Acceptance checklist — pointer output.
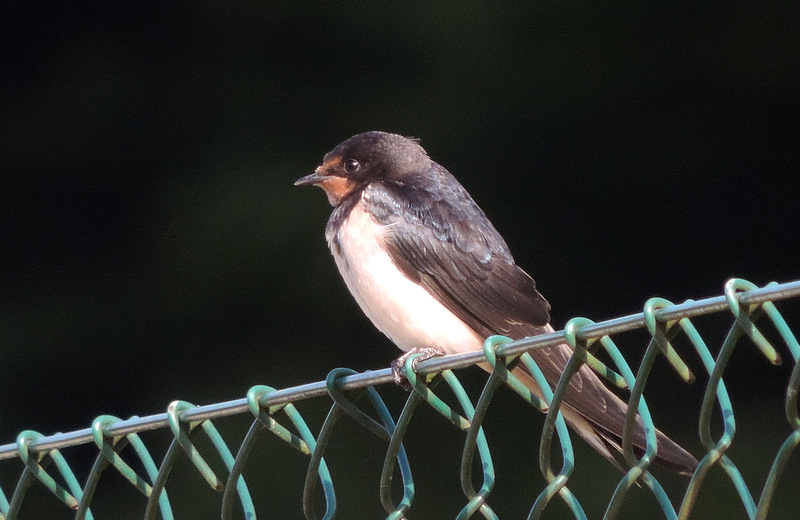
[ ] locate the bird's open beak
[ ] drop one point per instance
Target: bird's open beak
(314, 178)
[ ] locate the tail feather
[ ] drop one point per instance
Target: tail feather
(598, 415)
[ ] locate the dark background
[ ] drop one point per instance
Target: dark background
(154, 248)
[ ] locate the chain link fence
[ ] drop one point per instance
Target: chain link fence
(170, 458)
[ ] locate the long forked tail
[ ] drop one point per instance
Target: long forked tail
(598, 415)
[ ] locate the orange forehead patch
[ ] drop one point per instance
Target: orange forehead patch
(330, 164)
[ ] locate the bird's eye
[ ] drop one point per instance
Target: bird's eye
(351, 165)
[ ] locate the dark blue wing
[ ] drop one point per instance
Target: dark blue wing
(447, 244)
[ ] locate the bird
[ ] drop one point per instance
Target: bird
(432, 273)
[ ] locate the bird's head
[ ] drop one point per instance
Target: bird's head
(365, 158)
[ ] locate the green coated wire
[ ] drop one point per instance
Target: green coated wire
(732, 287)
(38, 471)
(476, 439)
(238, 466)
(554, 406)
(264, 421)
(349, 407)
(792, 441)
(662, 332)
(4, 505)
(556, 482)
(179, 430)
(778, 465)
(788, 446)
(108, 451)
(385, 431)
(255, 400)
(23, 483)
(792, 391)
(173, 452)
(401, 457)
(394, 454)
(637, 407)
(152, 472)
(430, 397)
(101, 462)
(314, 465)
(477, 500)
(227, 458)
(722, 399)
(783, 328)
(638, 470)
(183, 440)
(340, 406)
(748, 304)
(423, 391)
(748, 325)
(492, 348)
(716, 451)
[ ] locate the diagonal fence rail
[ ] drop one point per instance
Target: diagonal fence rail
(434, 383)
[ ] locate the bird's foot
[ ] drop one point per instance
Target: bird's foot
(397, 365)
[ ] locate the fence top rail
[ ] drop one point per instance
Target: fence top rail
(691, 308)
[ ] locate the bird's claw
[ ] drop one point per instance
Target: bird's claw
(398, 364)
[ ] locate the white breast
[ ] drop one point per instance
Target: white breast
(407, 313)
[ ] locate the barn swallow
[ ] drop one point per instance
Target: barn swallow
(431, 272)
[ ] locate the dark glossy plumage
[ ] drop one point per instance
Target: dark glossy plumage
(438, 237)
